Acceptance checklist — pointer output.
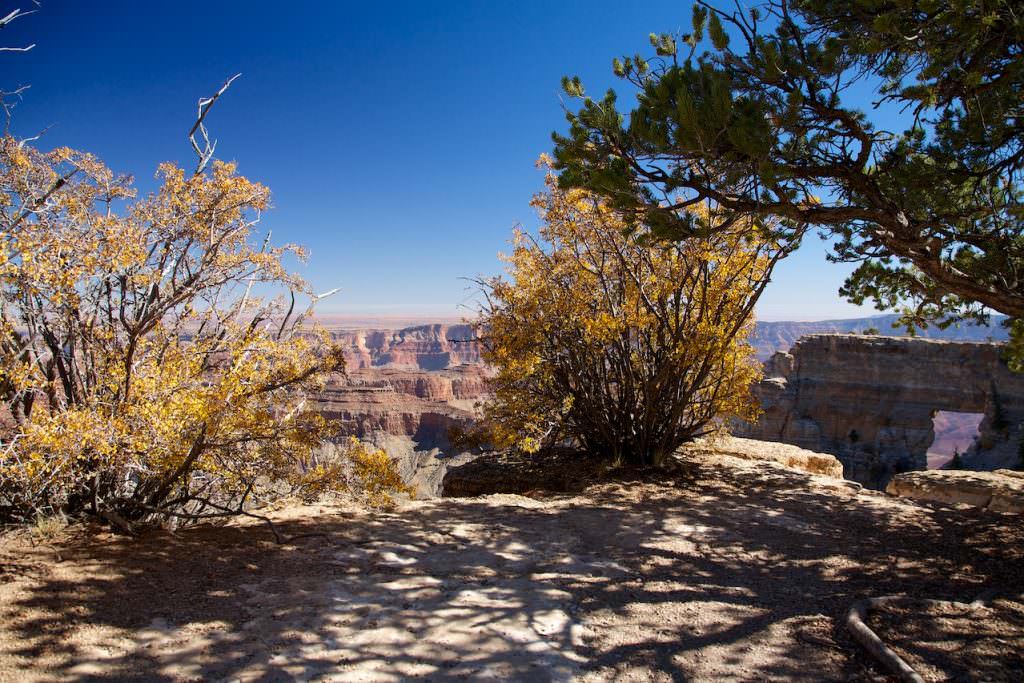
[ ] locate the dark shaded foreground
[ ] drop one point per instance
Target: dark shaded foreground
(726, 571)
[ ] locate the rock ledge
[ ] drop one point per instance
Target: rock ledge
(787, 455)
(999, 491)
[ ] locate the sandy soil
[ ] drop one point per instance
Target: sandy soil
(725, 571)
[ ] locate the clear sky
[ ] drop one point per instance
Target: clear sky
(398, 138)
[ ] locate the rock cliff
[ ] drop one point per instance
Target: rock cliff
(403, 391)
(460, 383)
(772, 336)
(870, 401)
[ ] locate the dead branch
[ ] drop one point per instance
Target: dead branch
(857, 617)
(205, 152)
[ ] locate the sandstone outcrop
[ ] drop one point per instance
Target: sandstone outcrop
(787, 455)
(406, 410)
(360, 410)
(460, 383)
(999, 491)
(870, 400)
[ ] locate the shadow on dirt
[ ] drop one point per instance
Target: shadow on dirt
(712, 573)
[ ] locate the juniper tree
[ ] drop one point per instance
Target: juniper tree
(918, 182)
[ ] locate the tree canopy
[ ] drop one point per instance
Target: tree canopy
(755, 110)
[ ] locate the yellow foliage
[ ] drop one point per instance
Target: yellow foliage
(364, 470)
(625, 345)
(141, 364)
(376, 473)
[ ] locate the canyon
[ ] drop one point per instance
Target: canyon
(413, 382)
(404, 390)
(772, 336)
(870, 400)
(878, 403)
(429, 347)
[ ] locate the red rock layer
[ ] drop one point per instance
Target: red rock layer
(427, 347)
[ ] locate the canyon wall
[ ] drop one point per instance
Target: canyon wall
(769, 336)
(416, 404)
(403, 391)
(870, 400)
(424, 347)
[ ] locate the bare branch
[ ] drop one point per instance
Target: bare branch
(11, 16)
(205, 152)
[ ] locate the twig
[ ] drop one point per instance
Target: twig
(11, 16)
(205, 152)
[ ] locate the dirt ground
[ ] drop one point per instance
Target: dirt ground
(947, 642)
(725, 571)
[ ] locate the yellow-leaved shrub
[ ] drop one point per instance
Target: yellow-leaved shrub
(152, 358)
(621, 344)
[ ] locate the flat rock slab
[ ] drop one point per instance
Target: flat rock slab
(787, 455)
(999, 491)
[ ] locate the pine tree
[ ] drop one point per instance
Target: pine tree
(957, 462)
(752, 110)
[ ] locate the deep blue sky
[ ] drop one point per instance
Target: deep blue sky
(398, 138)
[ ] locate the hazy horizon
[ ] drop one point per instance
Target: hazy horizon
(398, 318)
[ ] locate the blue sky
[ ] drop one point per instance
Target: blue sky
(398, 138)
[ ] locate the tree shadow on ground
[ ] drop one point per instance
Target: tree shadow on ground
(707, 573)
(955, 641)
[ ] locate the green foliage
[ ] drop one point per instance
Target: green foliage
(758, 119)
(999, 421)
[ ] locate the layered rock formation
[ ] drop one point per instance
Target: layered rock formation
(870, 401)
(403, 391)
(408, 414)
(439, 345)
(461, 383)
(419, 405)
(425, 347)
(769, 337)
(360, 412)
